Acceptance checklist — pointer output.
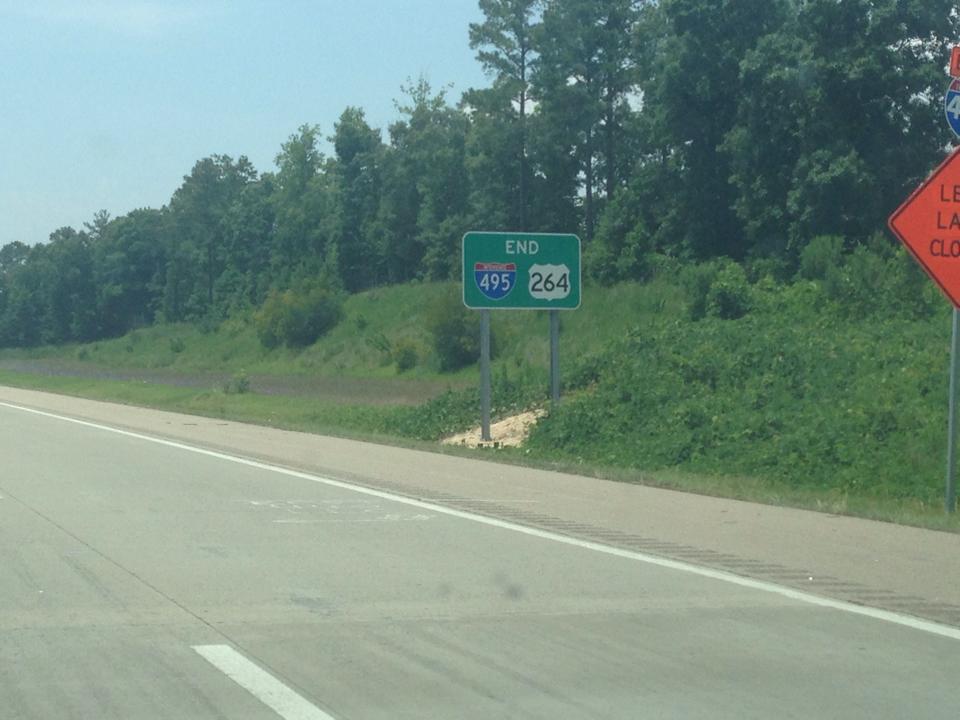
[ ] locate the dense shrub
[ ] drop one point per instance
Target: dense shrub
(729, 296)
(454, 333)
(877, 279)
(696, 281)
(238, 384)
(623, 246)
(297, 318)
(821, 255)
(405, 354)
(718, 288)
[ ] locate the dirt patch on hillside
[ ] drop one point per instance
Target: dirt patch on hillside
(509, 432)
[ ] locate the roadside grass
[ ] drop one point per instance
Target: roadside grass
(292, 413)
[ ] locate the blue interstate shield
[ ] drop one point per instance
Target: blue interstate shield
(495, 280)
(951, 105)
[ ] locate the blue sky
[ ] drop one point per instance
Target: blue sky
(106, 104)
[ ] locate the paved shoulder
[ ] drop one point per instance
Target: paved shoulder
(881, 564)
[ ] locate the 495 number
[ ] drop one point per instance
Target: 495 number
(495, 281)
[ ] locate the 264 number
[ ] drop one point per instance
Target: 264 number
(540, 283)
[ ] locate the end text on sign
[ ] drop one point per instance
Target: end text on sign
(522, 247)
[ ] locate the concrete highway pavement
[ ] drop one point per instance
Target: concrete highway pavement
(144, 579)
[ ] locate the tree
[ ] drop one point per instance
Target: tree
(303, 207)
(61, 294)
(12, 256)
(17, 314)
(693, 89)
(492, 149)
(129, 257)
(249, 226)
(505, 44)
(584, 77)
(357, 173)
(96, 228)
(197, 246)
(838, 118)
(424, 208)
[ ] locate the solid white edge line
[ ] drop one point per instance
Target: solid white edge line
(287, 703)
(790, 593)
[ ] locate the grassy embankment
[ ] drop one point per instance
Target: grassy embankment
(348, 382)
(793, 403)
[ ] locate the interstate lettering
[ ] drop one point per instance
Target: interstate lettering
(945, 248)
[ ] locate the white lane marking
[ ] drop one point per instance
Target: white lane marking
(789, 593)
(262, 685)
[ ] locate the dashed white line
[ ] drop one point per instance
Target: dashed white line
(796, 595)
(262, 685)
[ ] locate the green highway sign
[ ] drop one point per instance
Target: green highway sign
(521, 271)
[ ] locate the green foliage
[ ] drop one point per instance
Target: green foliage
(718, 288)
(879, 280)
(457, 410)
(379, 341)
(801, 161)
(297, 318)
(789, 392)
(696, 281)
(729, 296)
(454, 333)
(821, 256)
(585, 73)
(623, 246)
(238, 384)
(357, 183)
(405, 354)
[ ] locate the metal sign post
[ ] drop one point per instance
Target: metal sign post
(951, 490)
(485, 375)
(554, 356)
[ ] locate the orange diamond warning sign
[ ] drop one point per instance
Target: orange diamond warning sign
(928, 223)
